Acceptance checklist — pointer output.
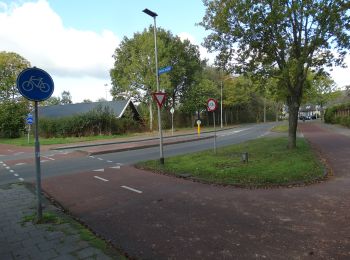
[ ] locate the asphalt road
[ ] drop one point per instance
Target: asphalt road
(19, 165)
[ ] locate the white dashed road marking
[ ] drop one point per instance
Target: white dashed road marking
(131, 189)
(102, 179)
(115, 167)
(18, 164)
(21, 179)
(100, 159)
(99, 170)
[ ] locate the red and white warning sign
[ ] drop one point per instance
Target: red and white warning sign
(160, 97)
(212, 105)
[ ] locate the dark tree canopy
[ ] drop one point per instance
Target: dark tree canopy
(280, 38)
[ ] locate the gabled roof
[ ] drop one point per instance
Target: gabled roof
(118, 107)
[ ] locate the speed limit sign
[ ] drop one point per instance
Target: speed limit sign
(212, 104)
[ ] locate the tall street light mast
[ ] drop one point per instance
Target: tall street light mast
(154, 15)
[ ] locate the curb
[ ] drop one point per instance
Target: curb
(133, 141)
(142, 146)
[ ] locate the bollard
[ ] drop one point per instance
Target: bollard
(245, 157)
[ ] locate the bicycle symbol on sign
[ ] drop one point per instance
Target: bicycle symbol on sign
(35, 82)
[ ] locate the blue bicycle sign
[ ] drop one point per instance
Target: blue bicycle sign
(35, 84)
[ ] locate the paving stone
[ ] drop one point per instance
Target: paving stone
(6, 256)
(87, 252)
(20, 240)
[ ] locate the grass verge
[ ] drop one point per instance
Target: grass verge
(270, 164)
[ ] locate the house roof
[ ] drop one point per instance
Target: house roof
(118, 107)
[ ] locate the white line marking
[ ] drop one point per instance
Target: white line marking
(21, 163)
(42, 161)
(1, 161)
(128, 188)
(4, 164)
(99, 170)
(115, 167)
(92, 156)
(109, 161)
(100, 159)
(21, 179)
(11, 170)
(8, 168)
(49, 158)
(100, 178)
(16, 174)
(120, 164)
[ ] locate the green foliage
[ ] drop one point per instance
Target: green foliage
(96, 122)
(11, 65)
(331, 116)
(13, 108)
(134, 76)
(12, 118)
(283, 39)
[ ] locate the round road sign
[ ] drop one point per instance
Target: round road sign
(212, 104)
(35, 84)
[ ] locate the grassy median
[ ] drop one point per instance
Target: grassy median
(269, 163)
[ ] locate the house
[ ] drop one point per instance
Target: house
(118, 107)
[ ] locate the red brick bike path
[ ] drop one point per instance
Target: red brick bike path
(178, 219)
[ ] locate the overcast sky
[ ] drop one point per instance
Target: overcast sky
(74, 40)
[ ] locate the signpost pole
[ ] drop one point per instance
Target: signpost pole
(37, 164)
(28, 132)
(214, 133)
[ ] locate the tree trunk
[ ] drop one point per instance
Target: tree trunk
(293, 109)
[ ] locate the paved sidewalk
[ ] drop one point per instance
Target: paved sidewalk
(25, 240)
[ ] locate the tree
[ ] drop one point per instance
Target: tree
(321, 90)
(66, 98)
(13, 107)
(51, 101)
(11, 65)
(133, 75)
(285, 39)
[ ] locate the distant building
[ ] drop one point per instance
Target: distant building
(118, 107)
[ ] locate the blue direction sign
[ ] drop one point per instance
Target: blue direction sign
(35, 84)
(29, 119)
(164, 70)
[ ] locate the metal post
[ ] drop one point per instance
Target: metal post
(161, 159)
(37, 164)
(214, 133)
(28, 132)
(172, 123)
(221, 126)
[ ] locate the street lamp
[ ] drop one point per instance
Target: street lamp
(222, 85)
(154, 15)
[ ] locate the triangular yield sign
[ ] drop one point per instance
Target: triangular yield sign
(160, 98)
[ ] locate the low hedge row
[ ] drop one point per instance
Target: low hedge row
(331, 116)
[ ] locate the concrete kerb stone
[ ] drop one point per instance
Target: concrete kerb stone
(132, 140)
(143, 146)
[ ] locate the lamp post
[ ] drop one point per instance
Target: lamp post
(222, 85)
(154, 15)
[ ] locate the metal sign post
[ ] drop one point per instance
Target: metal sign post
(29, 123)
(212, 106)
(36, 85)
(172, 110)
